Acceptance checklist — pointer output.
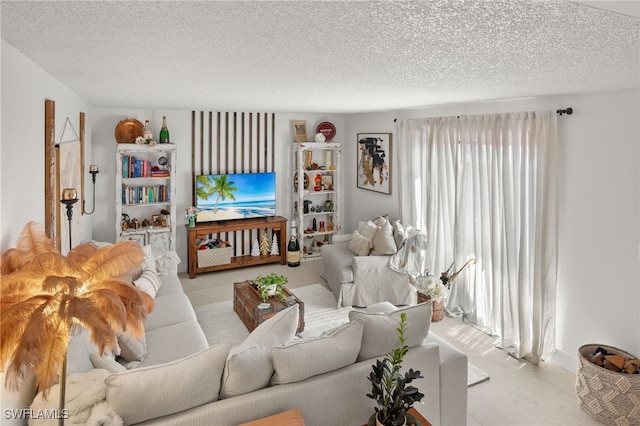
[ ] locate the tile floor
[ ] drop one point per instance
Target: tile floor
(518, 393)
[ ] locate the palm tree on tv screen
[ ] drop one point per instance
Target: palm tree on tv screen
(220, 185)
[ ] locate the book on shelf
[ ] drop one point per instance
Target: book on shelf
(145, 194)
(133, 167)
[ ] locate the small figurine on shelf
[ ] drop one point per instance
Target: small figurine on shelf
(264, 243)
(191, 213)
(275, 250)
(255, 248)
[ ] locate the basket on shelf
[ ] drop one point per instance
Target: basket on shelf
(214, 256)
(610, 397)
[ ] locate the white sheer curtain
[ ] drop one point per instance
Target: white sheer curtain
(485, 187)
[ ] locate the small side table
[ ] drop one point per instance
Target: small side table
(287, 418)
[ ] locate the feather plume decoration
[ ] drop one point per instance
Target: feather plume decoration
(45, 297)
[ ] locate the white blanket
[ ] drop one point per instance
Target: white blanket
(409, 258)
(85, 404)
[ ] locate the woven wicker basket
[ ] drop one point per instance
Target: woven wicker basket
(609, 397)
(213, 257)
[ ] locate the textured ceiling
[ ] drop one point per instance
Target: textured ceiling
(325, 56)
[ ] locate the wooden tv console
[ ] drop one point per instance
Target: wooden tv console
(278, 225)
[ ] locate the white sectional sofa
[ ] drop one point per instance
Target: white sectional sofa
(182, 381)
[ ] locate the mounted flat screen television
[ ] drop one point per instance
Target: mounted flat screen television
(235, 196)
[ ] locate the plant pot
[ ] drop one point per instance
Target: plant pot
(271, 290)
(408, 421)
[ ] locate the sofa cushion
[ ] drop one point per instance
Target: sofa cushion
(170, 309)
(359, 244)
(173, 342)
(380, 335)
(303, 358)
(249, 366)
(146, 393)
(170, 285)
(384, 242)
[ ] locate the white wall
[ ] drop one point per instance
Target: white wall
(25, 86)
(599, 269)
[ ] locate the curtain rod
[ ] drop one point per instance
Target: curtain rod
(567, 111)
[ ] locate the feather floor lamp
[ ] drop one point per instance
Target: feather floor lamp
(46, 297)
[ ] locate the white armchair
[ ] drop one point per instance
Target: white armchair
(363, 280)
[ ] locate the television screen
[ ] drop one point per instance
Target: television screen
(235, 196)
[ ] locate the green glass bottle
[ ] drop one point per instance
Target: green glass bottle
(164, 131)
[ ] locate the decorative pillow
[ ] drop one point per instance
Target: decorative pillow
(401, 232)
(383, 243)
(149, 259)
(380, 335)
(367, 229)
(249, 366)
(149, 282)
(106, 363)
(360, 244)
(159, 390)
(301, 359)
(132, 350)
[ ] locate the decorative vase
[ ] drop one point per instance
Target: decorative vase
(192, 221)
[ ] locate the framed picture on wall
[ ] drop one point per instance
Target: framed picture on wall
(374, 162)
(300, 130)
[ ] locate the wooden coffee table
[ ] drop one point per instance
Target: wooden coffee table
(246, 303)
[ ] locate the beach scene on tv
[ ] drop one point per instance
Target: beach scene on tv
(235, 196)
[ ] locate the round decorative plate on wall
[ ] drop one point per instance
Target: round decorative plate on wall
(327, 129)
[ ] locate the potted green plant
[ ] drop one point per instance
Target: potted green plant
(270, 286)
(390, 388)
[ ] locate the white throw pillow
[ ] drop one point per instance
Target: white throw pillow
(380, 335)
(132, 350)
(359, 244)
(159, 390)
(249, 366)
(367, 229)
(106, 363)
(149, 282)
(301, 359)
(383, 243)
(149, 259)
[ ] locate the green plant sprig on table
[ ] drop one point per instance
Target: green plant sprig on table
(389, 386)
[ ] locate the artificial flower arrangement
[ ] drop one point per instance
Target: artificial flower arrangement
(142, 141)
(437, 289)
(431, 287)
